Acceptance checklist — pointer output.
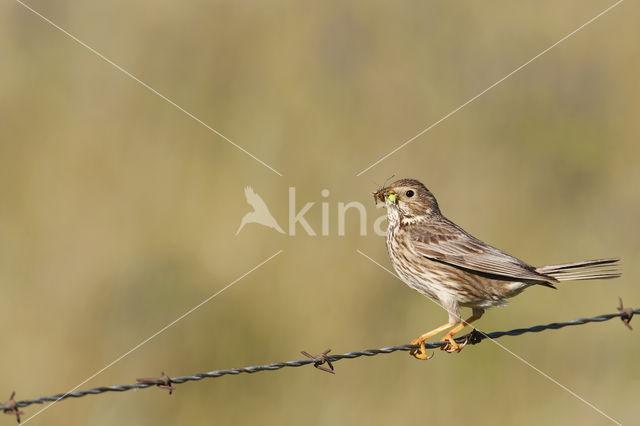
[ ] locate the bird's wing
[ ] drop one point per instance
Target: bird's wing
(254, 199)
(448, 243)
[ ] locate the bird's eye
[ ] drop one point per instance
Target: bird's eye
(410, 193)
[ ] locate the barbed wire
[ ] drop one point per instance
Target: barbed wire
(166, 382)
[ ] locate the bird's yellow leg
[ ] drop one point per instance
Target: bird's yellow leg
(453, 346)
(421, 353)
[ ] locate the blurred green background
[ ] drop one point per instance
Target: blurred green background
(118, 212)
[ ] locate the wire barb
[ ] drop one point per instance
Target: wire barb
(11, 407)
(163, 382)
(473, 338)
(319, 360)
(625, 314)
(166, 382)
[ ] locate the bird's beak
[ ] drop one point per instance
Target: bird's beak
(387, 196)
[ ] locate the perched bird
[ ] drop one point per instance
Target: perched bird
(439, 259)
(260, 213)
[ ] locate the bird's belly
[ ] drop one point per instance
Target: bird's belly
(446, 283)
(427, 282)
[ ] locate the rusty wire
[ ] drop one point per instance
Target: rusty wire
(166, 382)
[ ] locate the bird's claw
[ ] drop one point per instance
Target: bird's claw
(451, 348)
(421, 352)
(451, 345)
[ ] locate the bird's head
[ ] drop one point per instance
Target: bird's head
(408, 198)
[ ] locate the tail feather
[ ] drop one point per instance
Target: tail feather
(586, 270)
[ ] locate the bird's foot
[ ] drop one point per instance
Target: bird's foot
(451, 345)
(421, 352)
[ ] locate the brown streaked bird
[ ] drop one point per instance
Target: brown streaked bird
(439, 259)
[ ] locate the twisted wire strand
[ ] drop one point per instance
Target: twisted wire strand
(477, 338)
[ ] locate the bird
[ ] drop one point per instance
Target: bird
(260, 213)
(439, 259)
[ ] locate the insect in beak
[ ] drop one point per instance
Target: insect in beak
(392, 197)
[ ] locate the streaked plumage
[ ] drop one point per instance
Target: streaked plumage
(439, 259)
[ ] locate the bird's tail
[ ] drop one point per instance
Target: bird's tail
(586, 270)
